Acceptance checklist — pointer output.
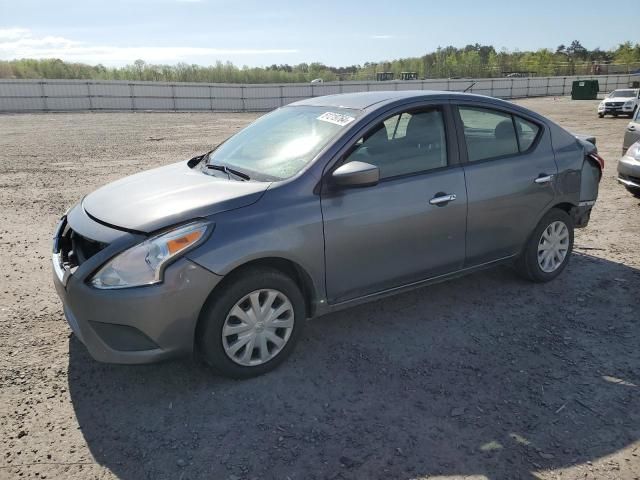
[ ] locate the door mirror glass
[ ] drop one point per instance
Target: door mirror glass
(356, 174)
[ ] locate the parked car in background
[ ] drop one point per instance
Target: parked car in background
(624, 101)
(317, 206)
(629, 169)
(317, 80)
(632, 133)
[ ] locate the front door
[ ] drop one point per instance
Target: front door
(408, 227)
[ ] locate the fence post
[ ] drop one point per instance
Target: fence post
(448, 85)
(492, 88)
(281, 96)
(528, 86)
(547, 92)
(89, 95)
(564, 86)
(45, 104)
(312, 94)
(511, 88)
(173, 97)
(242, 97)
(211, 97)
(133, 100)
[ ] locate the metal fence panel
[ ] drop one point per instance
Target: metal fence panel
(72, 95)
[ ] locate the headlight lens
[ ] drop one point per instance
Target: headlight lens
(629, 103)
(143, 264)
(601, 106)
(634, 151)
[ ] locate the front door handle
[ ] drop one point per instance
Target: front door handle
(442, 199)
(542, 179)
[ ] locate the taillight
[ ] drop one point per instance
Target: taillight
(598, 159)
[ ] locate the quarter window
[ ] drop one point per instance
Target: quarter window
(407, 143)
(527, 133)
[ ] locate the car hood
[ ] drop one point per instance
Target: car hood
(168, 195)
(618, 99)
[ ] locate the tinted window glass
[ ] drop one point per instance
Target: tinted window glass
(527, 133)
(403, 144)
(488, 133)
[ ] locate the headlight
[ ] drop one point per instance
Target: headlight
(601, 106)
(634, 151)
(629, 103)
(143, 264)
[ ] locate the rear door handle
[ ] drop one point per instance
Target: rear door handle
(442, 199)
(542, 179)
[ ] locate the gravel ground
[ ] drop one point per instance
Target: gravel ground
(482, 377)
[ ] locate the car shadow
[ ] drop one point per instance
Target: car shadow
(484, 375)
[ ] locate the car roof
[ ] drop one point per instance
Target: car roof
(367, 100)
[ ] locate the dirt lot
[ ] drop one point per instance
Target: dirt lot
(482, 377)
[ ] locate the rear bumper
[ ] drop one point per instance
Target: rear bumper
(135, 325)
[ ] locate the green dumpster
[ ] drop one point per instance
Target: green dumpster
(585, 90)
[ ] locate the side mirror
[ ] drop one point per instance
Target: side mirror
(356, 174)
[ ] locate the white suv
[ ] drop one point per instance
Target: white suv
(624, 101)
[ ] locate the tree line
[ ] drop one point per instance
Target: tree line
(448, 62)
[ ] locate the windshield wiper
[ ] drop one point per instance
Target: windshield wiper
(228, 171)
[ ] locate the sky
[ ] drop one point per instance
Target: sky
(260, 33)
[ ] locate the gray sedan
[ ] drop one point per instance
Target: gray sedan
(315, 207)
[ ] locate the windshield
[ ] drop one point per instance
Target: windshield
(623, 93)
(280, 144)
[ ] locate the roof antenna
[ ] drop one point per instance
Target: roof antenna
(469, 87)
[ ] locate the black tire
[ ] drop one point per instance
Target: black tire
(527, 264)
(601, 115)
(209, 334)
(634, 191)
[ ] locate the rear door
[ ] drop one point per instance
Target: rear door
(510, 173)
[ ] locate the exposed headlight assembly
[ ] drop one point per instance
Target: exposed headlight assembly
(144, 263)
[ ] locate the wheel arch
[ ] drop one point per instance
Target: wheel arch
(284, 265)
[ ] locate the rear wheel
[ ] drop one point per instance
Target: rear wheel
(634, 191)
(548, 250)
(252, 324)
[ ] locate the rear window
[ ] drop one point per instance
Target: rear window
(488, 133)
(492, 134)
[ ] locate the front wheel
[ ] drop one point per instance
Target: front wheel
(252, 324)
(548, 249)
(601, 115)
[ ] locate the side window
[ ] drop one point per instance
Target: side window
(397, 125)
(403, 144)
(488, 133)
(527, 133)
